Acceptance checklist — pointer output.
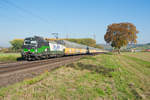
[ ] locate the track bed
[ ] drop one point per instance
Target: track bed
(14, 72)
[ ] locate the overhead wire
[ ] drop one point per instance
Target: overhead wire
(26, 11)
(4, 14)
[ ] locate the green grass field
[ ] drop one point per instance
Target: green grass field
(9, 57)
(102, 77)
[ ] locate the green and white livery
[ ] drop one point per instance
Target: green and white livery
(38, 48)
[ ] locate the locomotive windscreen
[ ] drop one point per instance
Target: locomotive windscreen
(30, 41)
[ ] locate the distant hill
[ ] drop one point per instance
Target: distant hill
(143, 46)
(148, 43)
(0, 48)
(106, 46)
(130, 46)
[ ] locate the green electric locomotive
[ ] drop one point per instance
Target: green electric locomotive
(38, 48)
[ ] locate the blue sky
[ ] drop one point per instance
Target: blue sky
(77, 18)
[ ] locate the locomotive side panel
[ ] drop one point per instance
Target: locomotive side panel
(56, 49)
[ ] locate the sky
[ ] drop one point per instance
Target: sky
(71, 18)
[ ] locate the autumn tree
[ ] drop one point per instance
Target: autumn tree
(121, 34)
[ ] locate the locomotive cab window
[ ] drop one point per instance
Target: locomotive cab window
(30, 42)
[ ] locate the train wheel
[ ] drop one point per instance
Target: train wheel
(29, 59)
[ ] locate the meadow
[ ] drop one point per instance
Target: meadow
(9, 57)
(102, 77)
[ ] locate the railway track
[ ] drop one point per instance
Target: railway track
(27, 65)
(16, 72)
(11, 63)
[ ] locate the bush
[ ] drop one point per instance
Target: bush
(16, 44)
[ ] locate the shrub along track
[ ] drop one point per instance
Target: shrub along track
(15, 72)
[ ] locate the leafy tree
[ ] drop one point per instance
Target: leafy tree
(121, 34)
(16, 44)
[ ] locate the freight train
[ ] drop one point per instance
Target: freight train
(35, 48)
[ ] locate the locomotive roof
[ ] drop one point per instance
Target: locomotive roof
(37, 38)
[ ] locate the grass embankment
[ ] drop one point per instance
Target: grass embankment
(102, 77)
(9, 57)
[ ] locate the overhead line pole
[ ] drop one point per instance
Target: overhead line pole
(67, 36)
(94, 36)
(56, 36)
